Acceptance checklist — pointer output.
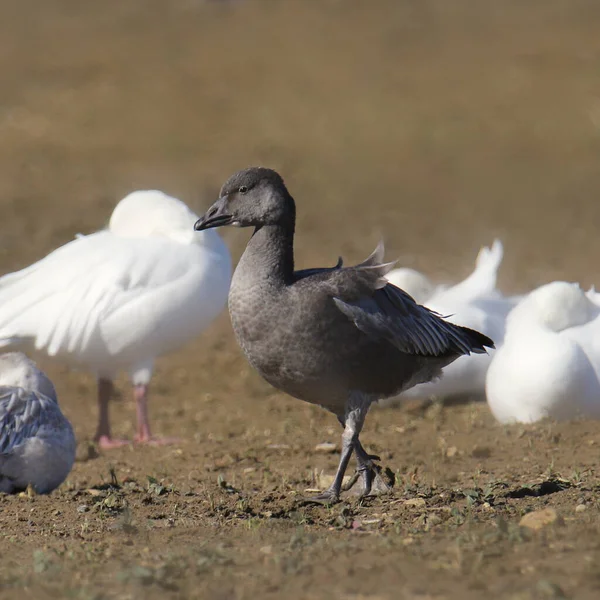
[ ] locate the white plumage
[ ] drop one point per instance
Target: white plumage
(118, 298)
(474, 302)
(543, 369)
(587, 334)
(37, 445)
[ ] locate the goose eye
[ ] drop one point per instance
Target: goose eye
(243, 189)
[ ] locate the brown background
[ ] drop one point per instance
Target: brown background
(436, 125)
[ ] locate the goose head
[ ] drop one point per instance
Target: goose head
(255, 197)
(555, 306)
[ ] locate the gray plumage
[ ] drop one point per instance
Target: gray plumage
(37, 444)
(341, 337)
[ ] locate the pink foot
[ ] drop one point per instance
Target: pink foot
(108, 443)
(156, 441)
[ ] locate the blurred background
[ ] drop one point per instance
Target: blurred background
(434, 125)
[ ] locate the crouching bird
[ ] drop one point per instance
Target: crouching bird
(37, 444)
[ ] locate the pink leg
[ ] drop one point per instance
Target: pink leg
(144, 436)
(103, 436)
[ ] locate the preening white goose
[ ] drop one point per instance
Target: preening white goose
(480, 284)
(120, 297)
(37, 445)
(542, 370)
(474, 302)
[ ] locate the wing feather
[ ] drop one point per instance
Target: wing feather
(383, 311)
(19, 416)
(62, 301)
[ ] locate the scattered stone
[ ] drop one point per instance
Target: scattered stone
(415, 503)
(266, 550)
(326, 448)
(83, 508)
(405, 428)
(580, 508)
(452, 452)
(324, 481)
(538, 519)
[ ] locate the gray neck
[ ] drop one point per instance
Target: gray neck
(269, 255)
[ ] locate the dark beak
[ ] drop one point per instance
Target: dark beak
(215, 216)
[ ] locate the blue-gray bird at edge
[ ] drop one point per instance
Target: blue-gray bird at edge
(37, 444)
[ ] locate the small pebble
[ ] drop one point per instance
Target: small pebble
(326, 448)
(415, 502)
(452, 451)
(539, 519)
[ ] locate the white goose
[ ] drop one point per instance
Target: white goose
(587, 335)
(542, 369)
(474, 302)
(37, 445)
(480, 284)
(121, 297)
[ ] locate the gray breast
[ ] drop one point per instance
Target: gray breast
(300, 342)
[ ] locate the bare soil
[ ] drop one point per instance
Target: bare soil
(435, 125)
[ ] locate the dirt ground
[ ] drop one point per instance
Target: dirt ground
(436, 125)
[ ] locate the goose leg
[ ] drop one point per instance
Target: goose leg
(140, 396)
(332, 494)
(103, 436)
(370, 472)
(144, 435)
(353, 420)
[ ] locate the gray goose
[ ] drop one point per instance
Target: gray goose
(340, 337)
